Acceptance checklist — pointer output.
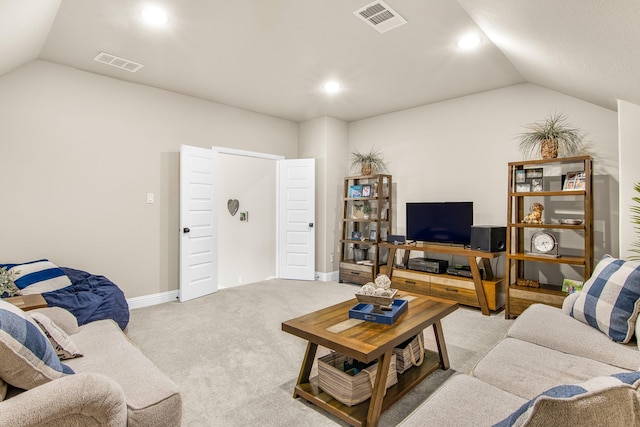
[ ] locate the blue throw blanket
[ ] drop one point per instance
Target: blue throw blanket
(90, 298)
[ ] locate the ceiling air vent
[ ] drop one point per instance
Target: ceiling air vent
(116, 61)
(380, 16)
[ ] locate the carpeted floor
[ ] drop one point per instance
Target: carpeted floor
(235, 366)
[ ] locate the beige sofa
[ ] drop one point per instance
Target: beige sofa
(114, 384)
(544, 348)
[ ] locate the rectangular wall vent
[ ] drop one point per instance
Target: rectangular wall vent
(380, 16)
(116, 61)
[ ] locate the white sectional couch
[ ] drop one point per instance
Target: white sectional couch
(545, 348)
(114, 384)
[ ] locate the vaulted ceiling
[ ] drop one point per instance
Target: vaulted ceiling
(273, 56)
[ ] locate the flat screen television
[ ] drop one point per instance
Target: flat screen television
(440, 222)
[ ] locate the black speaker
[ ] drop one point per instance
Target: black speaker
(488, 238)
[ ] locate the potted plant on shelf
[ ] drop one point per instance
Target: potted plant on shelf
(551, 137)
(366, 209)
(368, 163)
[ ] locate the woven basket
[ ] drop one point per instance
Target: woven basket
(350, 389)
(410, 353)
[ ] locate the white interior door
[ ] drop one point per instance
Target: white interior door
(198, 223)
(296, 223)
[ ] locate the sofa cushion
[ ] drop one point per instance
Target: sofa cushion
(608, 400)
(39, 276)
(527, 369)
(152, 398)
(28, 358)
(610, 299)
(63, 345)
(550, 327)
(464, 401)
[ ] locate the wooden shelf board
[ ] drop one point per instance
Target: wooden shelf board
(364, 199)
(558, 226)
(547, 193)
(363, 220)
(360, 242)
(575, 159)
(550, 259)
(543, 289)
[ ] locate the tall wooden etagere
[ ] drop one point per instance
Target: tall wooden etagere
(366, 219)
(532, 246)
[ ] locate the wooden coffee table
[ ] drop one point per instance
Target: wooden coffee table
(367, 342)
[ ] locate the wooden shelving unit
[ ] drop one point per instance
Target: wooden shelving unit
(522, 262)
(353, 220)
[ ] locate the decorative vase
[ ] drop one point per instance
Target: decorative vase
(549, 149)
(359, 254)
(366, 169)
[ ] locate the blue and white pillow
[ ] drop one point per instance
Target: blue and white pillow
(39, 276)
(609, 400)
(610, 299)
(27, 358)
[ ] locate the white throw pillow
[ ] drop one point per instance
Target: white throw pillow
(63, 345)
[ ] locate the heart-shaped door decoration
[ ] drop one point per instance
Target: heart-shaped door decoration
(233, 206)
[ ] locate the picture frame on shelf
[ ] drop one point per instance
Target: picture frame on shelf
(570, 286)
(520, 176)
(580, 181)
(373, 235)
(356, 235)
(366, 190)
(523, 187)
(536, 184)
(573, 178)
(534, 173)
(355, 191)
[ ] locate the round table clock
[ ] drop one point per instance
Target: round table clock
(544, 243)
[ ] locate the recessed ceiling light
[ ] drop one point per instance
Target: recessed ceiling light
(154, 15)
(469, 41)
(331, 87)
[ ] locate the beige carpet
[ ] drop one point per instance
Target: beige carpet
(235, 366)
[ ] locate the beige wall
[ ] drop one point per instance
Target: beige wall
(326, 140)
(629, 123)
(81, 151)
(458, 150)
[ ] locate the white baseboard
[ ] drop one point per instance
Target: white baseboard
(153, 299)
(332, 276)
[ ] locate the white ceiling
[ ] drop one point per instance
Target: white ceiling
(272, 56)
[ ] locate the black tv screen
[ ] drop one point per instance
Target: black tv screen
(440, 222)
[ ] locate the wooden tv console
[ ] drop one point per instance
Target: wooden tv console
(487, 293)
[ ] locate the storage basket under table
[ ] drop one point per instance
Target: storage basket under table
(350, 389)
(409, 353)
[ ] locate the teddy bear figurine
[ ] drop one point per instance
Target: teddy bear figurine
(535, 216)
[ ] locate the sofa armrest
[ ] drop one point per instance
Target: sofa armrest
(567, 304)
(81, 399)
(61, 317)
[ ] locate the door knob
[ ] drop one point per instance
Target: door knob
(311, 224)
(186, 230)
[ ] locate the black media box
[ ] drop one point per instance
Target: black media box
(428, 265)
